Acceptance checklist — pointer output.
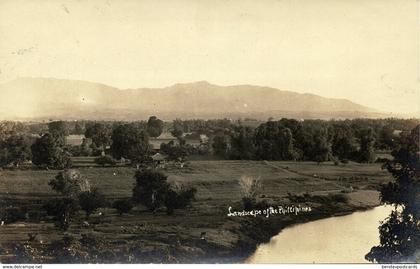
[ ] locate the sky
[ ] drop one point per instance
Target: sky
(365, 51)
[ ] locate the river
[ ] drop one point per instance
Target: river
(343, 239)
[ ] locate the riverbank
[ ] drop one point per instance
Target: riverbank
(202, 233)
(251, 231)
(339, 239)
(259, 231)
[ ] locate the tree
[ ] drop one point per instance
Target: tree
(123, 206)
(130, 142)
(175, 152)
(69, 183)
(85, 149)
(400, 232)
(90, 201)
(63, 209)
(8, 128)
(220, 145)
(15, 150)
(322, 147)
(386, 137)
(177, 130)
(150, 189)
(46, 152)
(273, 141)
(242, 143)
(100, 134)
(177, 199)
(177, 133)
(78, 129)
(343, 144)
(59, 131)
(154, 126)
(367, 142)
(153, 191)
(177, 127)
(313, 141)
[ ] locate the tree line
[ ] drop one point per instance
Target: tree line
(311, 140)
(285, 139)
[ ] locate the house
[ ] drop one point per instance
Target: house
(397, 133)
(163, 138)
(159, 160)
(74, 140)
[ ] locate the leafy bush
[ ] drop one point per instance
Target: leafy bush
(248, 203)
(150, 189)
(69, 183)
(338, 198)
(12, 214)
(90, 201)
(123, 206)
(177, 200)
(62, 209)
(105, 160)
(153, 190)
(175, 152)
(381, 160)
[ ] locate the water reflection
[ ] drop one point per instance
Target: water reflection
(344, 239)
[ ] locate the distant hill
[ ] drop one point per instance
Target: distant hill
(47, 98)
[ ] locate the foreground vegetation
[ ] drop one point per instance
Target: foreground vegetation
(201, 232)
(122, 205)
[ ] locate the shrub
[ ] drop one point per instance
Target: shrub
(248, 203)
(90, 201)
(62, 209)
(344, 161)
(105, 160)
(171, 201)
(177, 200)
(338, 198)
(69, 183)
(298, 198)
(330, 198)
(36, 215)
(123, 206)
(250, 187)
(12, 214)
(381, 160)
(150, 189)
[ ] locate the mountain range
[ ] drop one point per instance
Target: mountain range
(49, 98)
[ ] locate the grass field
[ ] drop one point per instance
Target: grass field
(217, 189)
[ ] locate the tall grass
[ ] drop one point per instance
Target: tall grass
(250, 186)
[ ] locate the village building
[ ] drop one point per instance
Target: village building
(159, 160)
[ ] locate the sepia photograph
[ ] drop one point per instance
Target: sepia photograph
(209, 132)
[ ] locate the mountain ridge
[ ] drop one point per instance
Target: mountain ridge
(46, 98)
